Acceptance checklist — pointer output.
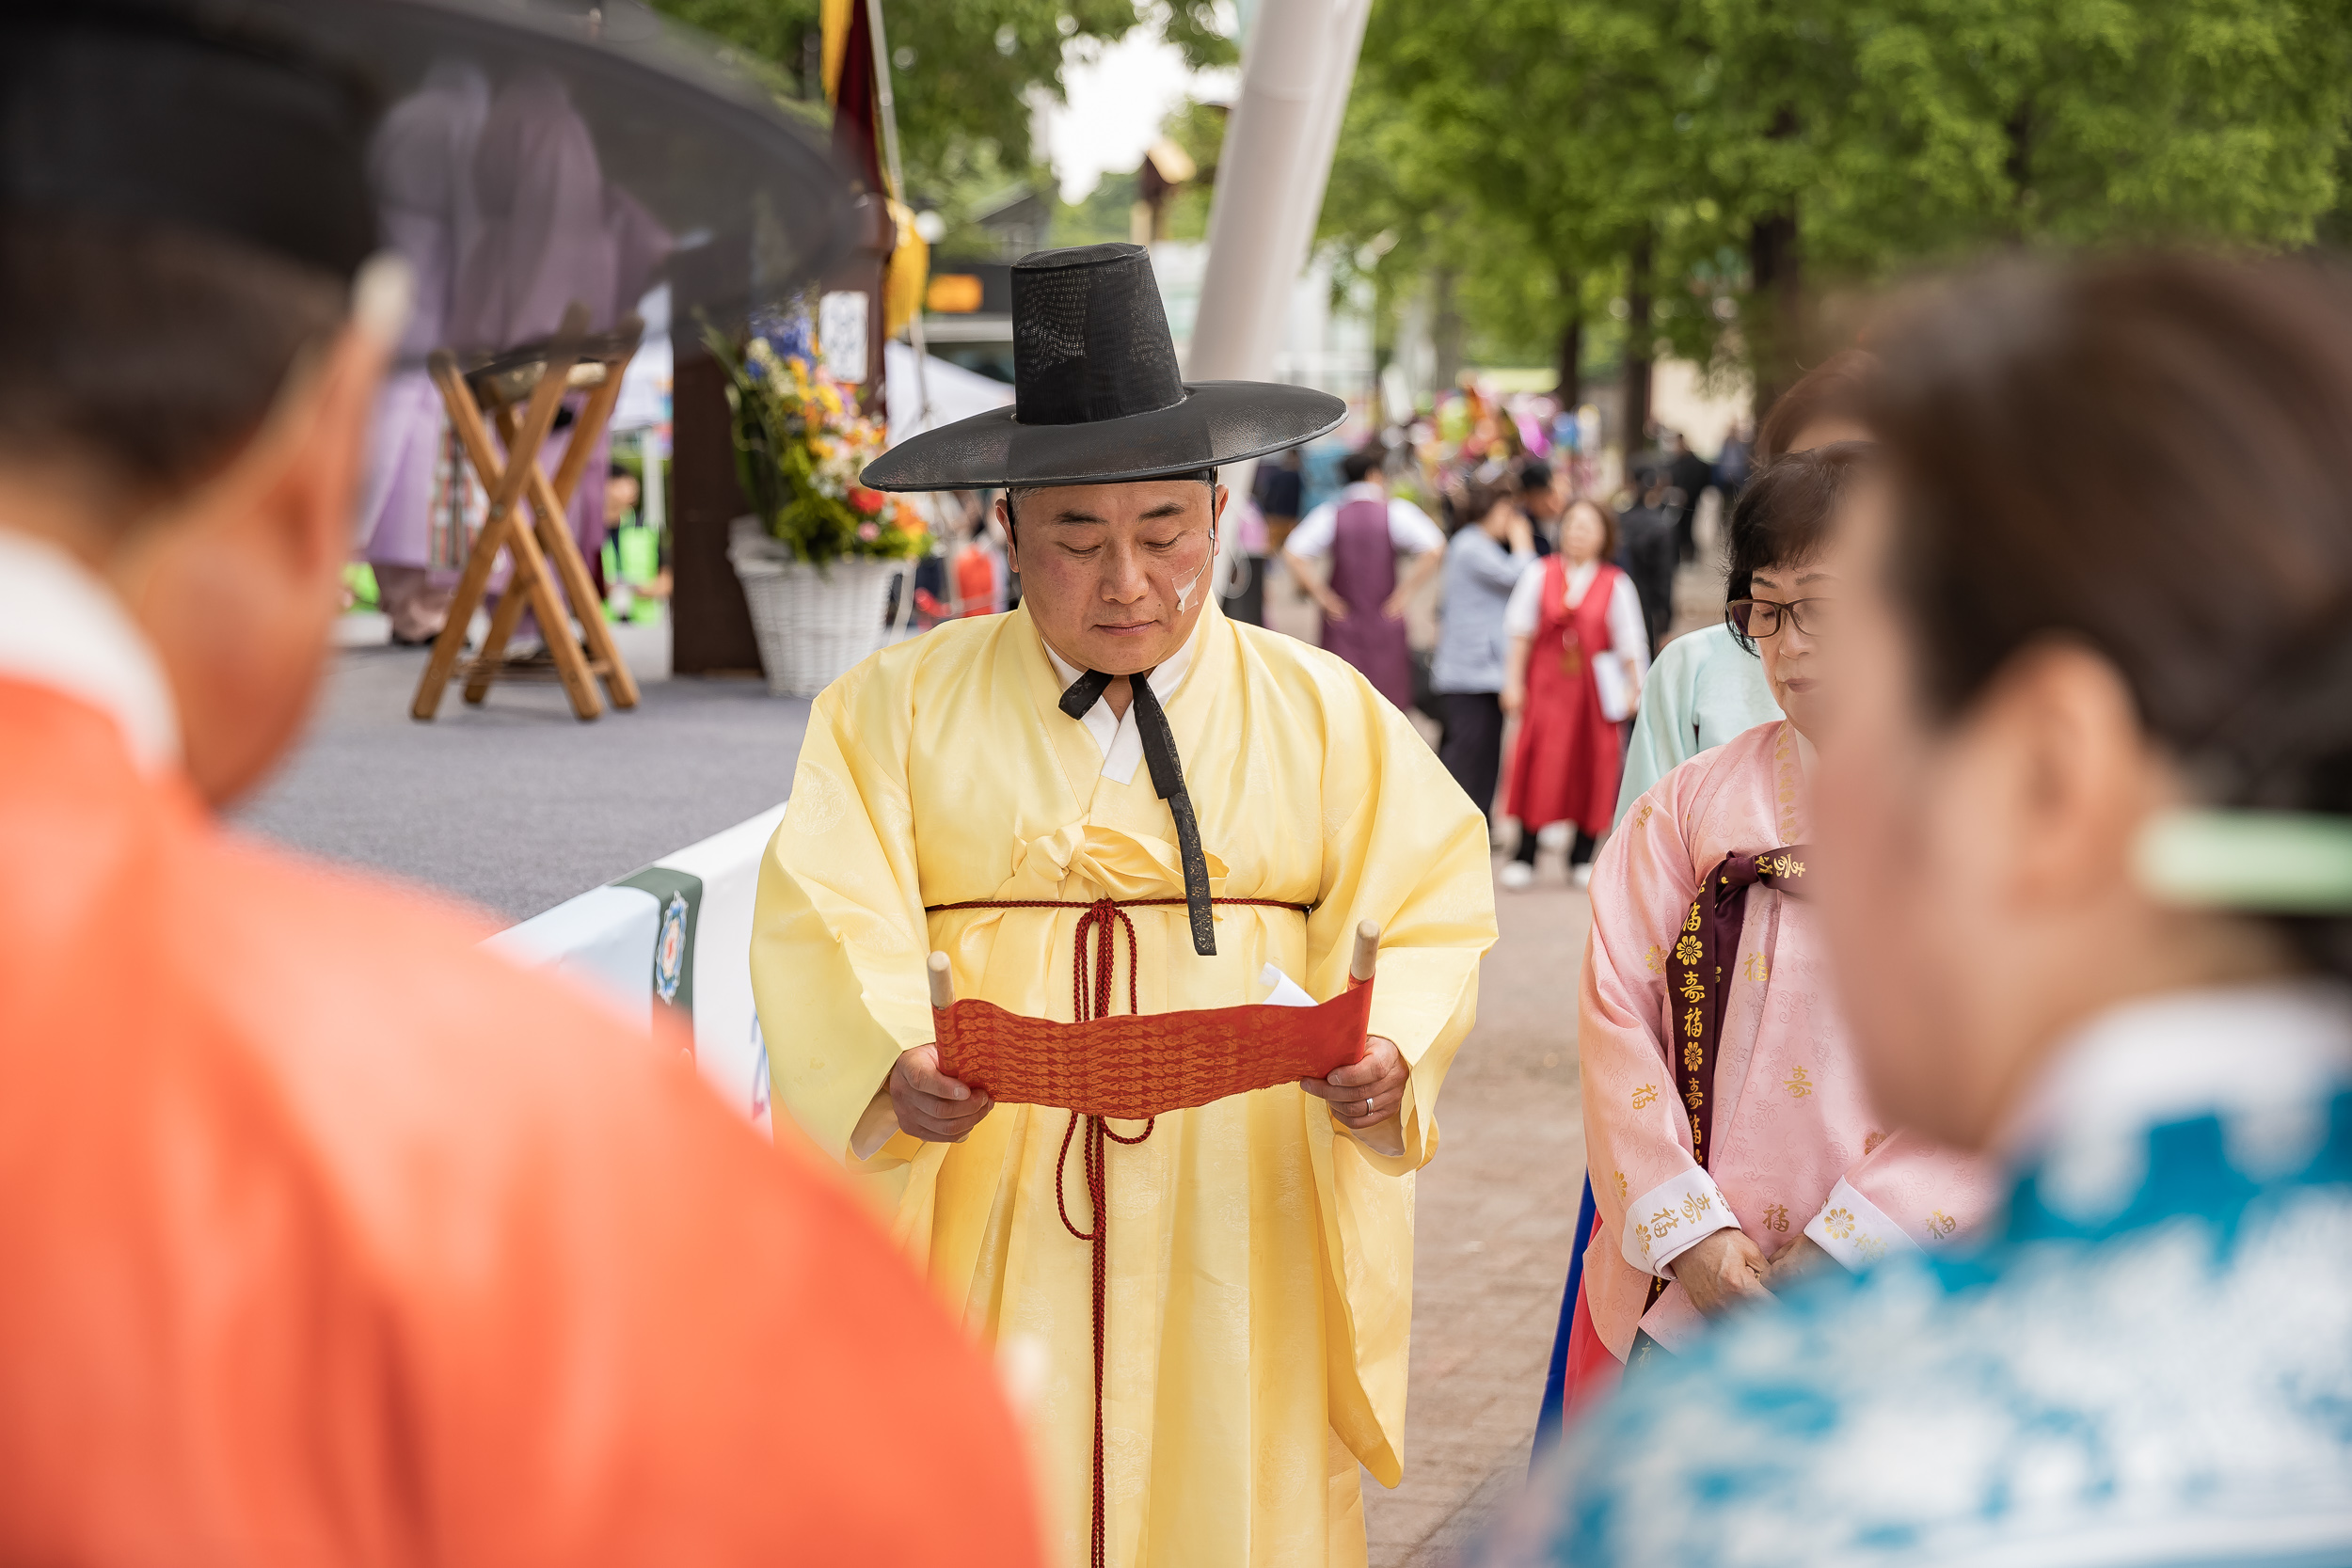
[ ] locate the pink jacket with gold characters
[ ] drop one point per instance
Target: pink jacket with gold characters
(1796, 1146)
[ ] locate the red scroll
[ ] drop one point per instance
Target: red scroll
(1134, 1068)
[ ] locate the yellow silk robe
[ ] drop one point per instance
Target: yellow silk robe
(1261, 1257)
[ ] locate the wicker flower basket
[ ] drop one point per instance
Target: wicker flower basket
(813, 622)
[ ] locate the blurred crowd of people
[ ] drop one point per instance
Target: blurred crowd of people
(1557, 591)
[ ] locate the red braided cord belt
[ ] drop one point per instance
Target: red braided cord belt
(1133, 1067)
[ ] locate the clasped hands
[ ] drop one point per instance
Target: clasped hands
(937, 1109)
(1726, 1269)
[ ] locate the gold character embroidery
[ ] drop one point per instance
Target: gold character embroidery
(1755, 967)
(1694, 1023)
(1645, 1095)
(1941, 1224)
(1797, 1084)
(1663, 1221)
(1871, 1248)
(1776, 1217)
(1691, 987)
(1640, 819)
(1694, 1205)
(1838, 1223)
(1692, 923)
(1694, 1098)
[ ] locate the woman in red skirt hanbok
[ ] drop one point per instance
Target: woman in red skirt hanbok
(1579, 648)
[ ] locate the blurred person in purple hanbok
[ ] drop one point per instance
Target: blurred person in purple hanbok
(421, 167)
(1364, 532)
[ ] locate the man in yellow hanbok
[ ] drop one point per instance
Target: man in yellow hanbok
(1245, 801)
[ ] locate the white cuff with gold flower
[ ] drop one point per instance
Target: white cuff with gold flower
(1672, 1217)
(1854, 1230)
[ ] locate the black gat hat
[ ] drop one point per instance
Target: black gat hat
(1097, 398)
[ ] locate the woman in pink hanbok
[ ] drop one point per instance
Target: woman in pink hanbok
(1730, 1141)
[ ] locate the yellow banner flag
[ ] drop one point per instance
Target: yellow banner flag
(835, 18)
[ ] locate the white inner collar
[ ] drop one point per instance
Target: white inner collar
(1120, 741)
(63, 629)
(2230, 1051)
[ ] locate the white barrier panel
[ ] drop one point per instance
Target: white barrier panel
(603, 939)
(676, 935)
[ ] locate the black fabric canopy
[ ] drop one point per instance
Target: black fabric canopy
(528, 147)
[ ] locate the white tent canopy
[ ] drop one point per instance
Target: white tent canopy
(956, 393)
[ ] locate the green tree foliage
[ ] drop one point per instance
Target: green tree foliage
(963, 69)
(1760, 150)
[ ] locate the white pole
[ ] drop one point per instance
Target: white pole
(889, 107)
(1347, 21)
(1261, 181)
(1271, 172)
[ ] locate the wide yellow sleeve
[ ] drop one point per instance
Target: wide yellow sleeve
(1406, 848)
(836, 960)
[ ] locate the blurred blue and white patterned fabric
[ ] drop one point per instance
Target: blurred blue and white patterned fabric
(2148, 1361)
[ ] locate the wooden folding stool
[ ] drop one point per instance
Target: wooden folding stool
(524, 388)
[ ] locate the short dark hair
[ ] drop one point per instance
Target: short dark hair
(1014, 492)
(1362, 464)
(145, 355)
(1836, 388)
(1784, 514)
(2070, 447)
(1534, 474)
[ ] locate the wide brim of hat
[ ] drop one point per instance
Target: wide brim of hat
(1217, 423)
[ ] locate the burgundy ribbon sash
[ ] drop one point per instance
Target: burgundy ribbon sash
(1710, 940)
(1696, 984)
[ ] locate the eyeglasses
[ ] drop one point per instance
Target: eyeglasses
(1758, 619)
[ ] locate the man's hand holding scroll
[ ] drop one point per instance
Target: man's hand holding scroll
(931, 1106)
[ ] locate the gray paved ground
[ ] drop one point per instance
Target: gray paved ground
(1494, 1222)
(517, 805)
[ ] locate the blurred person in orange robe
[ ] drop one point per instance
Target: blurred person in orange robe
(468, 1273)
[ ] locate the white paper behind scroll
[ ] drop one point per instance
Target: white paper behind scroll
(1281, 990)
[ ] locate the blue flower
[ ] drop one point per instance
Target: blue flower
(789, 332)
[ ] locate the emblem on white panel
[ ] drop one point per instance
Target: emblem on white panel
(669, 950)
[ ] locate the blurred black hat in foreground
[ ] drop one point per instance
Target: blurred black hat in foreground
(521, 152)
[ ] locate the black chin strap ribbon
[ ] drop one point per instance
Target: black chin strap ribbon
(1167, 779)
